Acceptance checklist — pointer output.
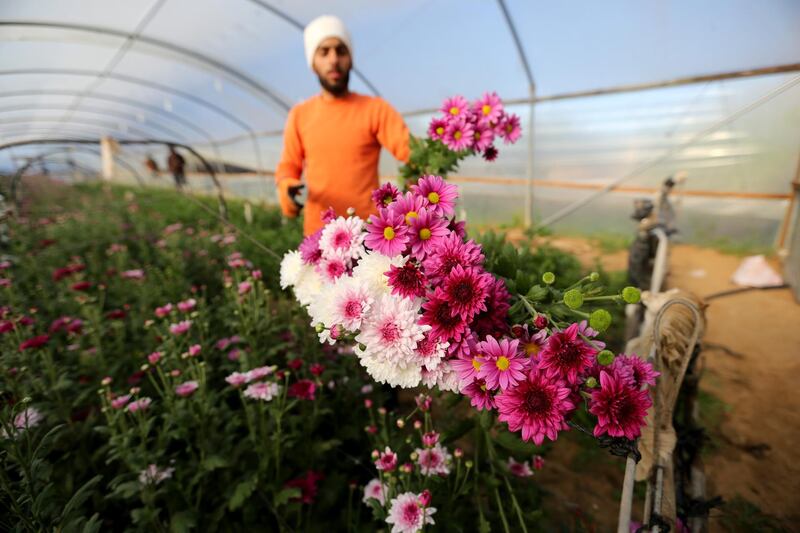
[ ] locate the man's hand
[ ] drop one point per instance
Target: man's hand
(288, 189)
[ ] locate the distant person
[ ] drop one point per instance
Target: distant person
(335, 137)
(152, 166)
(176, 163)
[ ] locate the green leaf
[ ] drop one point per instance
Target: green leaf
(212, 462)
(127, 489)
(79, 497)
(183, 521)
(537, 293)
(453, 434)
(242, 491)
(283, 497)
(513, 443)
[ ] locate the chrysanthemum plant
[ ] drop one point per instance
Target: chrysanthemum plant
(413, 295)
(463, 129)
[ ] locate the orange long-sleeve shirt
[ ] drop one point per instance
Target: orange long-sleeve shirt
(336, 144)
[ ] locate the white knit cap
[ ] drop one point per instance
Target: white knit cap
(320, 29)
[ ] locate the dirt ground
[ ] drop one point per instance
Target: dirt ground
(751, 357)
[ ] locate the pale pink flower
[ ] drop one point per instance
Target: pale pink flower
(187, 305)
(120, 401)
(522, 469)
(259, 373)
(264, 391)
(137, 274)
(142, 404)
(194, 350)
(152, 475)
(186, 389)
(164, 310)
(434, 461)
(387, 460)
(154, 357)
(407, 515)
(377, 490)
(244, 287)
(237, 379)
(181, 327)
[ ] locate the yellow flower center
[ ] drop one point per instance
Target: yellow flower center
(388, 233)
(433, 197)
(477, 136)
(483, 387)
(457, 135)
(440, 130)
(532, 349)
(486, 109)
(503, 363)
(476, 364)
(411, 215)
(509, 128)
(454, 110)
(424, 234)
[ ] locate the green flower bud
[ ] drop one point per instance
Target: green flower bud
(594, 276)
(320, 327)
(605, 357)
(549, 278)
(600, 319)
(573, 298)
(591, 382)
(631, 295)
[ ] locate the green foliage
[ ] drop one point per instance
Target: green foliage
(429, 157)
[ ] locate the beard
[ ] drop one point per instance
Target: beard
(337, 88)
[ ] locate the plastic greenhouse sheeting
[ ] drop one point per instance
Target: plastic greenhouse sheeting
(221, 74)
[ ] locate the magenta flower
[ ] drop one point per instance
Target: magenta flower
(482, 137)
(187, 305)
(466, 290)
(332, 268)
(565, 356)
(387, 233)
(522, 469)
(436, 128)
(510, 129)
(385, 195)
(194, 350)
(501, 364)
(154, 358)
(537, 405)
(408, 205)
(386, 461)
(489, 108)
(120, 401)
(458, 135)
(490, 153)
(186, 389)
(480, 396)
(181, 327)
(427, 230)
(164, 310)
(34, 342)
(245, 287)
(493, 320)
(440, 196)
(619, 407)
(455, 107)
(530, 343)
(635, 370)
(430, 439)
(309, 248)
(408, 280)
(451, 251)
(438, 314)
(142, 404)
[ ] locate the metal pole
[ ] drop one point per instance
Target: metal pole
(528, 218)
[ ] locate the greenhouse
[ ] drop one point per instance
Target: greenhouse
(489, 265)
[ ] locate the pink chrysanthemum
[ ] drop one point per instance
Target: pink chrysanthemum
(342, 237)
(386, 461)
(352, 300)
(493, 321)
(458, 135)
(522, 469)
(387, 233)
(566, 356)
(408, 205)
(501, 364)
(181, 327)
(142, 404)
(406, 514)
(385, 195)
(437, 128)
(619, 407)
(488, 108)
(310, 250)
(187, 305)
(408, 280)
(427, 230)
(451, 251)
(482, 137)
(510, 129)
(466, 289)
(537, 405)
(433, 461)
(264, 391)
(468, 366)
(303, 389)
(438, 314)
(237, 379)
(186, 389)
(377, 490)
(328, 215)
(635, 370)
(455, 107)
(530, 343)
(440, 196)
(430, 352)
(480, 396)
(332, 268)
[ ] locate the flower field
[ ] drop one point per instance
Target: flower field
(155, 375)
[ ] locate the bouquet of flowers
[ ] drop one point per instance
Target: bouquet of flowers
(409, 290)
(464, 128)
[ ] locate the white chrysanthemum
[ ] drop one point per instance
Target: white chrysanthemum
(391, 369)
(309, 285)
(291, 267)
(351, 300)
(343, 238)
(372, 268)
(321, 307)
(448, 379)
(434, 461)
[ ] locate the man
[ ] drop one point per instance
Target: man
(335, 137)
(176, 162)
